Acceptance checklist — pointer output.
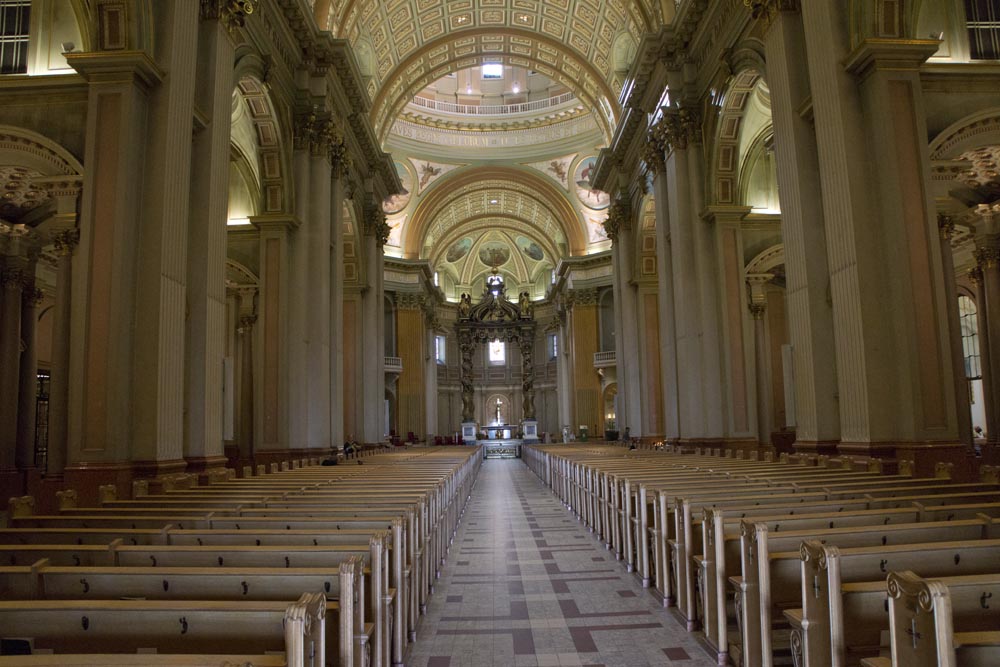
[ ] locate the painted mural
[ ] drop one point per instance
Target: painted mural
(397, 203)
(530, 249)
(458, 250)
(589, 197)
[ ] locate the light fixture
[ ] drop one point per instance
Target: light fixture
(494, 201)
(468, 89)
(516, 88)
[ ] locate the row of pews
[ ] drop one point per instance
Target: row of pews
(814, 561)
(309, 565)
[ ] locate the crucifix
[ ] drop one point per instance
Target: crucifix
(498, 420)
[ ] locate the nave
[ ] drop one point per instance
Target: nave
(528, 584)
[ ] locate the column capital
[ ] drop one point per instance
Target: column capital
(246, 324)
(619, 217)
(66, 241)
(375, 224)
(652, 154)
(677, 128)
(14, 279)
(975, 275)
(987, 256)
(231, 13)
(768, 9)
(757, 309)
(409, 300)
(946, 226)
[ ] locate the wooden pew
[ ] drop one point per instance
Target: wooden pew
(43, 581)
(945, 622)
(183, 627)
(142, 660)
(753, 586)
(844, 610)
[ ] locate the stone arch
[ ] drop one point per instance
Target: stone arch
(767, 259)
(33, 170)
(975, 130)
(726, 162)
(449, 186)
(250, 77)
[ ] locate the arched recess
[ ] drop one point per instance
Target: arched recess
(482, 180)
(275, 187)
(458, 51)
(33, 170)
(767, 260)
(726, 154)
(979, 129)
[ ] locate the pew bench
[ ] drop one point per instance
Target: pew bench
(296, 630)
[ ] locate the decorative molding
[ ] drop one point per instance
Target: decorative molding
(232, 13)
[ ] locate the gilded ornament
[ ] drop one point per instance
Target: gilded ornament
(652, 155)
(946, 225)
(987, 257)
(65, 242)
(757, 309)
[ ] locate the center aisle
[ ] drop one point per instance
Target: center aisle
(527, 584)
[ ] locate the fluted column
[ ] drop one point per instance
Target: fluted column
(318, 316)
(339, 176)
(653, 157)
(28, 381)
(157, 399)
(564, 368)
(672, 137)
(376, 233)
(894, 363)
(65, 244)
(248, 318)
(762, 359)
(983, 328)
(298, 288)
(431, 374)
(628, 346)
(810, 315)
(14, 282)
(988, 260)
(206, 255)
(946, 228)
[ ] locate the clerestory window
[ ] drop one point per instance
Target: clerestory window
(14, 19)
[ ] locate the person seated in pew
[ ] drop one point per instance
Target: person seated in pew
(332, 459)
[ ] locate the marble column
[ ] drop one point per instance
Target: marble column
(985, 366)
(28, 381)
(810, 314)
(988, 259)
(627, 342)
(318, 316)
(672, 137)
(762, 360)
(373, 323)
(431, 375)
(337, 185)
(246, 332)
(206, 254)
(946, 228)
(65, 244)
(894, 362)
(14, 282)
(564, 369)
(735, 331)
(157, 394)
(715, 403)
(271, 408)
(665, 292)
(298, 288)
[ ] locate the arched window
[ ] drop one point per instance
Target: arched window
(970, 336)
(983, 21)
(497, 352)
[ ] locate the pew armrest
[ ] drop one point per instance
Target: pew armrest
(794, 618)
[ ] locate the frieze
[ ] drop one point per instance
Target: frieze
(409, 300)
(231, 13)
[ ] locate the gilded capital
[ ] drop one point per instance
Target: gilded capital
(946, 226)
(246, 323)
(757, 309)
(409, 300)
(618, 218)
(767, 10)
(975, 275)
(987, 257)
(652, 155)
(375, 224)
(232, 13)
(66, 241)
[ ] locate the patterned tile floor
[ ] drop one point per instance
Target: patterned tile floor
(527, 584)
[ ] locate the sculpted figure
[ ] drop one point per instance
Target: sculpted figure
(464, 307)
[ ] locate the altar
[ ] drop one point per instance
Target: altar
(499, 432)
(509, 448)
